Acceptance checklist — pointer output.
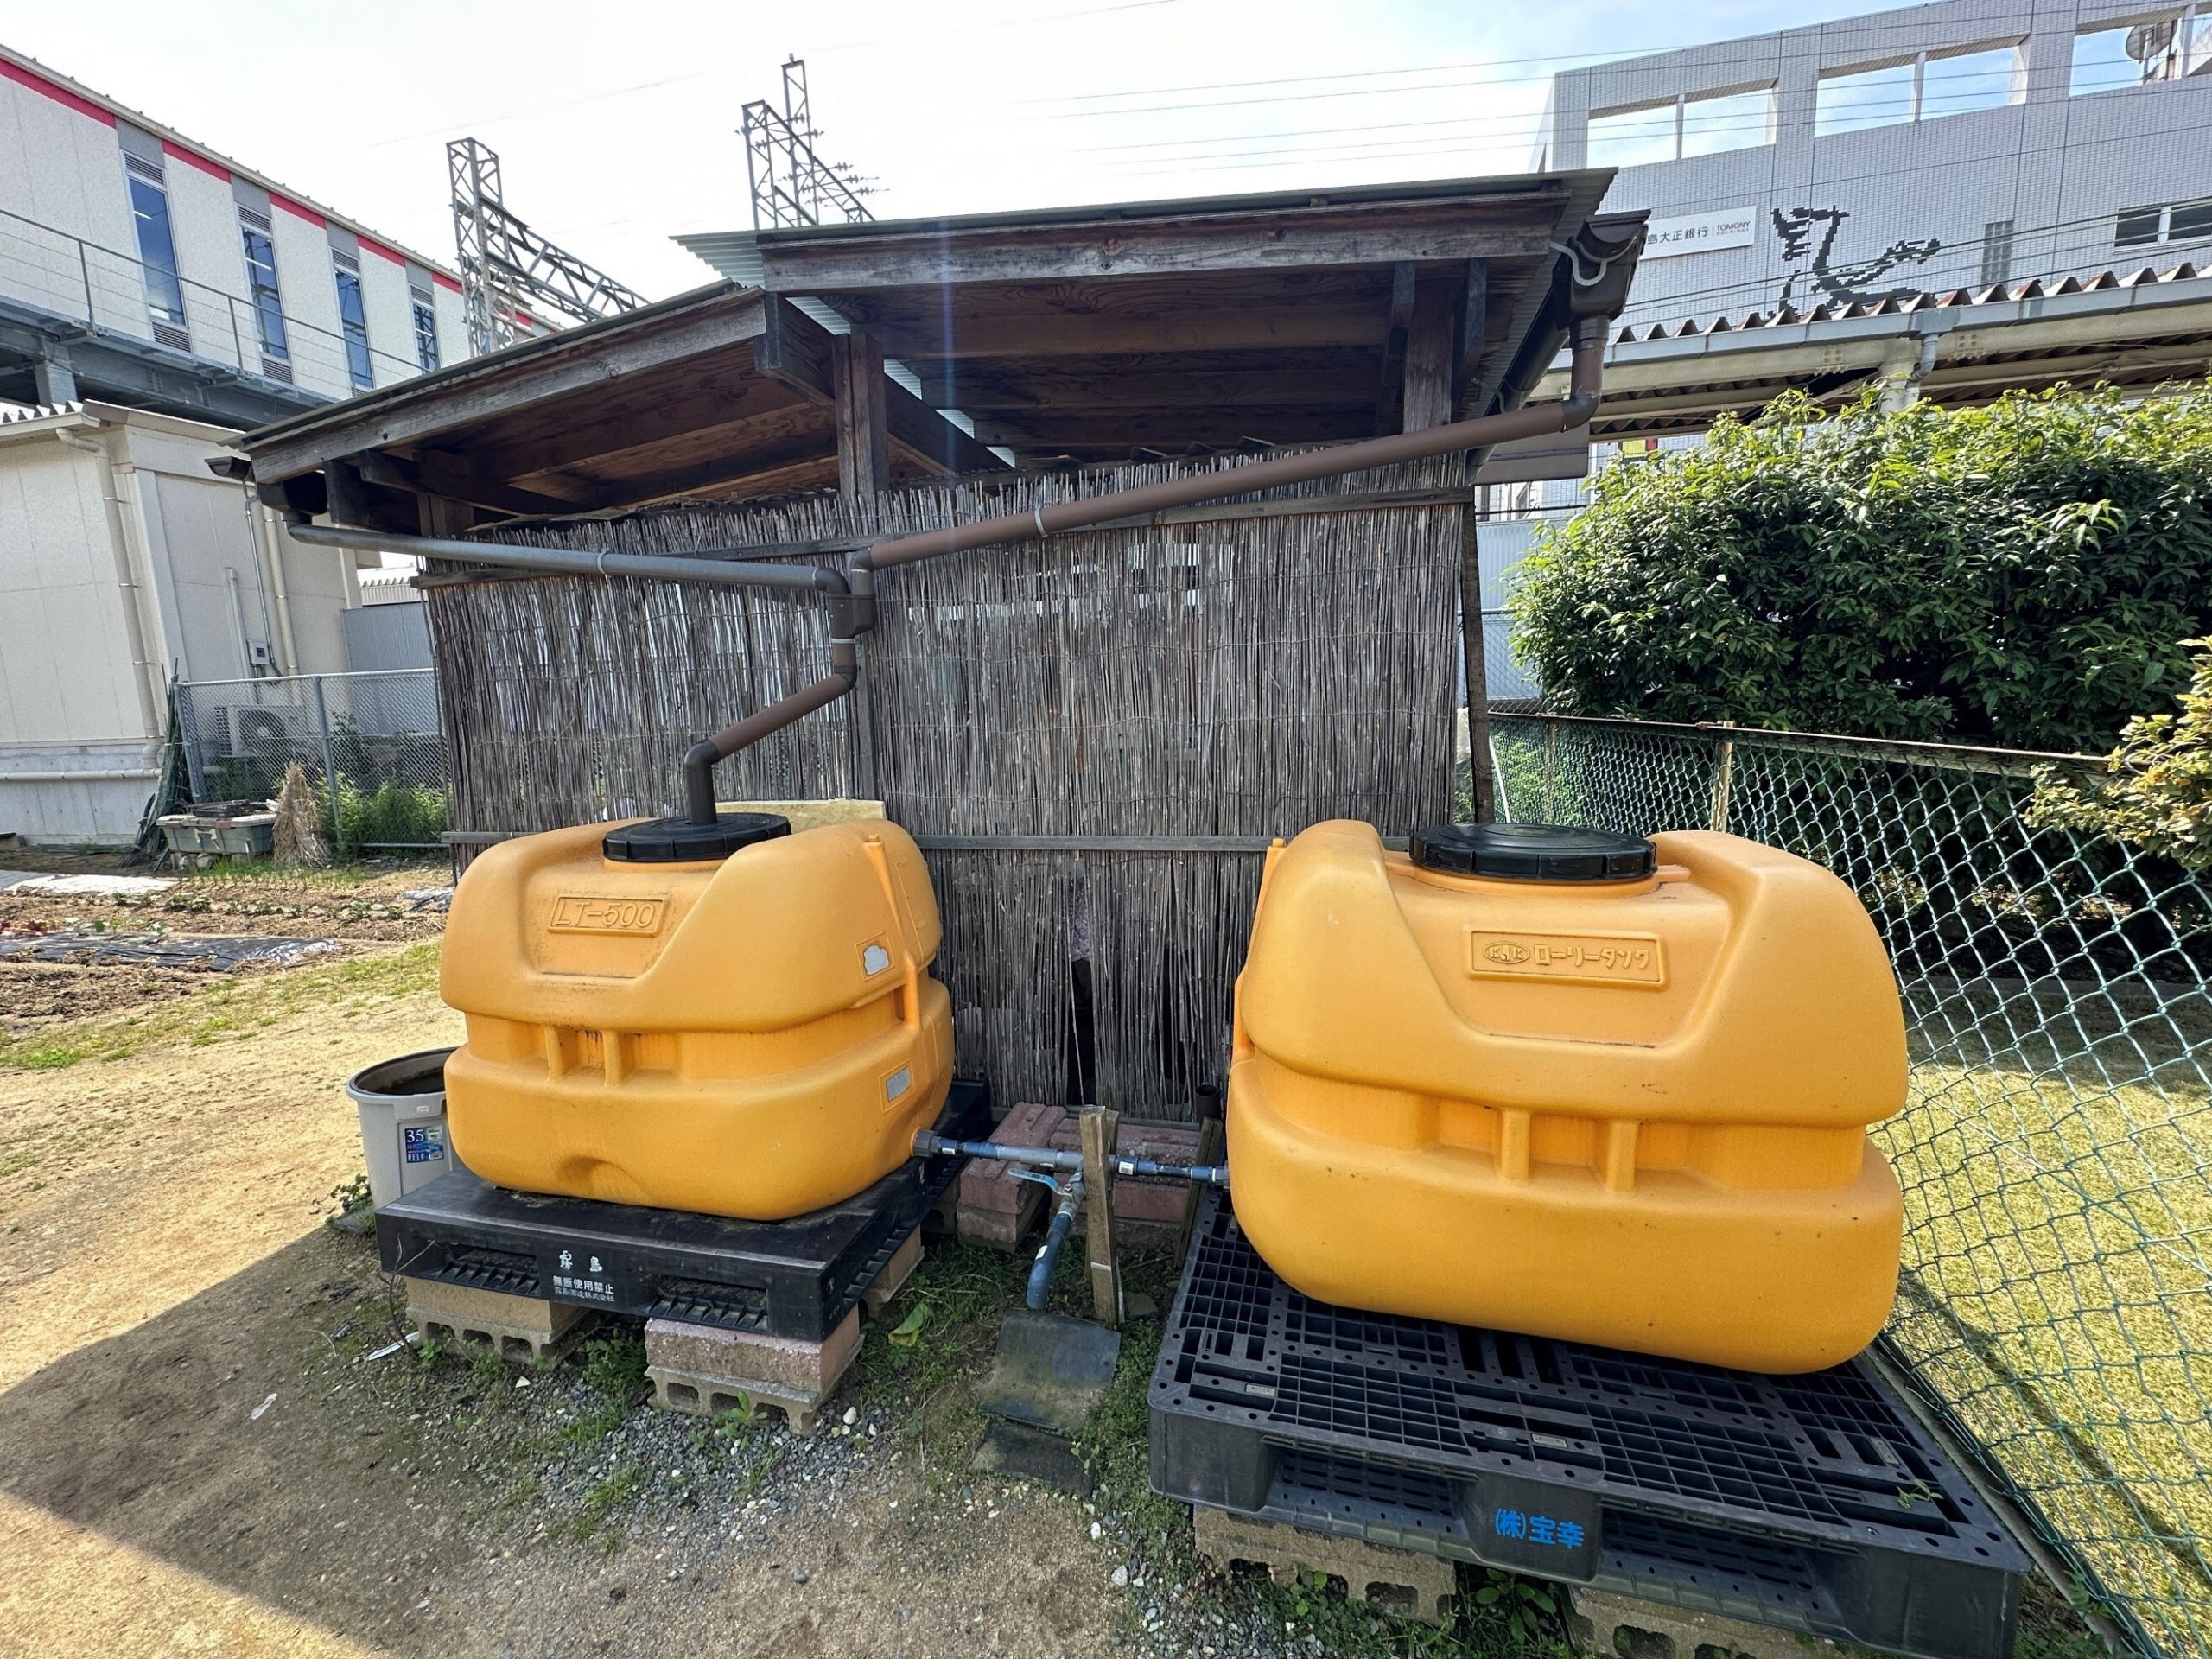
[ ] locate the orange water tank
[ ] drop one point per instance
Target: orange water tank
(1583, 1086)
(754, 1035)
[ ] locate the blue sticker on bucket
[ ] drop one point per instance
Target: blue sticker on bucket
(424, 1143)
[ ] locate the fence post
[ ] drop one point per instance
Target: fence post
(329, 770)
(1724, 773)
(1551, 769)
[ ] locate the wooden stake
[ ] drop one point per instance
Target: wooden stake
(1098, 1130)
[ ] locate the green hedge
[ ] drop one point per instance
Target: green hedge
(2023, 575)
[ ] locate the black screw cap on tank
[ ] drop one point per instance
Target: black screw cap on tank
(679, 841)
(1532, 852)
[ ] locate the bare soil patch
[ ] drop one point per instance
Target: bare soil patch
(355, 910)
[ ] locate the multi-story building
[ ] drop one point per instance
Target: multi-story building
(139, 266)
(1931, 147)
(155, 297)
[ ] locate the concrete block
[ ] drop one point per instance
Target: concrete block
(1400, 1581)
(896, 1272)
(1625, 1627)
(704, 1369)
(522, 1328)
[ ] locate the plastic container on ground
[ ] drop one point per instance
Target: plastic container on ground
(1584, 1086)
(402, 1103)
(753, 1033)
(201, 836)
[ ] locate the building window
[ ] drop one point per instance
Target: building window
(2152, 225)
(426, 327)
(150, 211)
(261, 291)
(353, 319)
(1922, 87)
(1996, 252)
(1691, 123)
(2170, 46)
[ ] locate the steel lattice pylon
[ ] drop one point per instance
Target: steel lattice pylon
(505, 264)
(790, 184)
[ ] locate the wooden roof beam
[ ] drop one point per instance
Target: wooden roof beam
(488, 387)
(1134, 316)
(1276, 238)
(799, 352)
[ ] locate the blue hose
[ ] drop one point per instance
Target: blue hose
(1040, 1271)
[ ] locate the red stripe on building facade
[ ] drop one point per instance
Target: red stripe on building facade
(61, 95)
(194, 158)
(297, 210)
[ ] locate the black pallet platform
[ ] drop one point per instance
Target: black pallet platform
(797, 1278)
(1811, 1502)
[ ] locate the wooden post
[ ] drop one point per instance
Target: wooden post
(1724, 775)
(1482, 785)
(1432, 348)
(1551, 769)
(1098, 1130)
(864, 447)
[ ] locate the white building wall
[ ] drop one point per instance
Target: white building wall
(211, 258)
(2059, 167)
(60, 171)
(391, 318)
(67, 701)
(309, 285)
(453, 325)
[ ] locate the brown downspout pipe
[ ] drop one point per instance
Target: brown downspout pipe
(857, 614)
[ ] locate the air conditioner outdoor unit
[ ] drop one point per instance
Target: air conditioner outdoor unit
(263, 730)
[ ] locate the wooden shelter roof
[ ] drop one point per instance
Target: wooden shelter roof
(1071, 334)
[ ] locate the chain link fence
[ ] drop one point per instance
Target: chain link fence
(370, 743)
(2055, 1148)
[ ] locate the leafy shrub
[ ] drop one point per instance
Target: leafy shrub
(2021, 575)
(2158, 790)
(390, 815)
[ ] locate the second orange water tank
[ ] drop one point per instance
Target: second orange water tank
(1588, 1087)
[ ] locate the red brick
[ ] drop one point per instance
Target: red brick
(1144, 1198)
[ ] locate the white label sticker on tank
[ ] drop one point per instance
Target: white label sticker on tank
(1581, 958)
(874, 959)
(899, 1082)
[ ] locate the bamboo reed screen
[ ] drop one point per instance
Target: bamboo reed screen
(1238, 678)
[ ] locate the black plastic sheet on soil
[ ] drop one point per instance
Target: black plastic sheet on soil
(220, 953)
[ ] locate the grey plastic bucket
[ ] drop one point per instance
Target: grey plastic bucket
(402, 1104)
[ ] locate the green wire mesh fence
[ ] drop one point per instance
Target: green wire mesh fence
(2055, 1148)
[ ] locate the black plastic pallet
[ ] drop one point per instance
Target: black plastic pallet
(797, 1278)
(1811, 1502)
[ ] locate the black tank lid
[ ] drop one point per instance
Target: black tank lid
(679, 841)
(1533, 852)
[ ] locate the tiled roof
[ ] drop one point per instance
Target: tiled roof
(1996, 294)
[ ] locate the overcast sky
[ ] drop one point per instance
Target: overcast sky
(616, 124)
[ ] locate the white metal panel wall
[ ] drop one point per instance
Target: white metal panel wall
(65, 654)
(308, 283)
(204, 220)
(60, 169)
(392, 317)
(323, 586)
(453, 325)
